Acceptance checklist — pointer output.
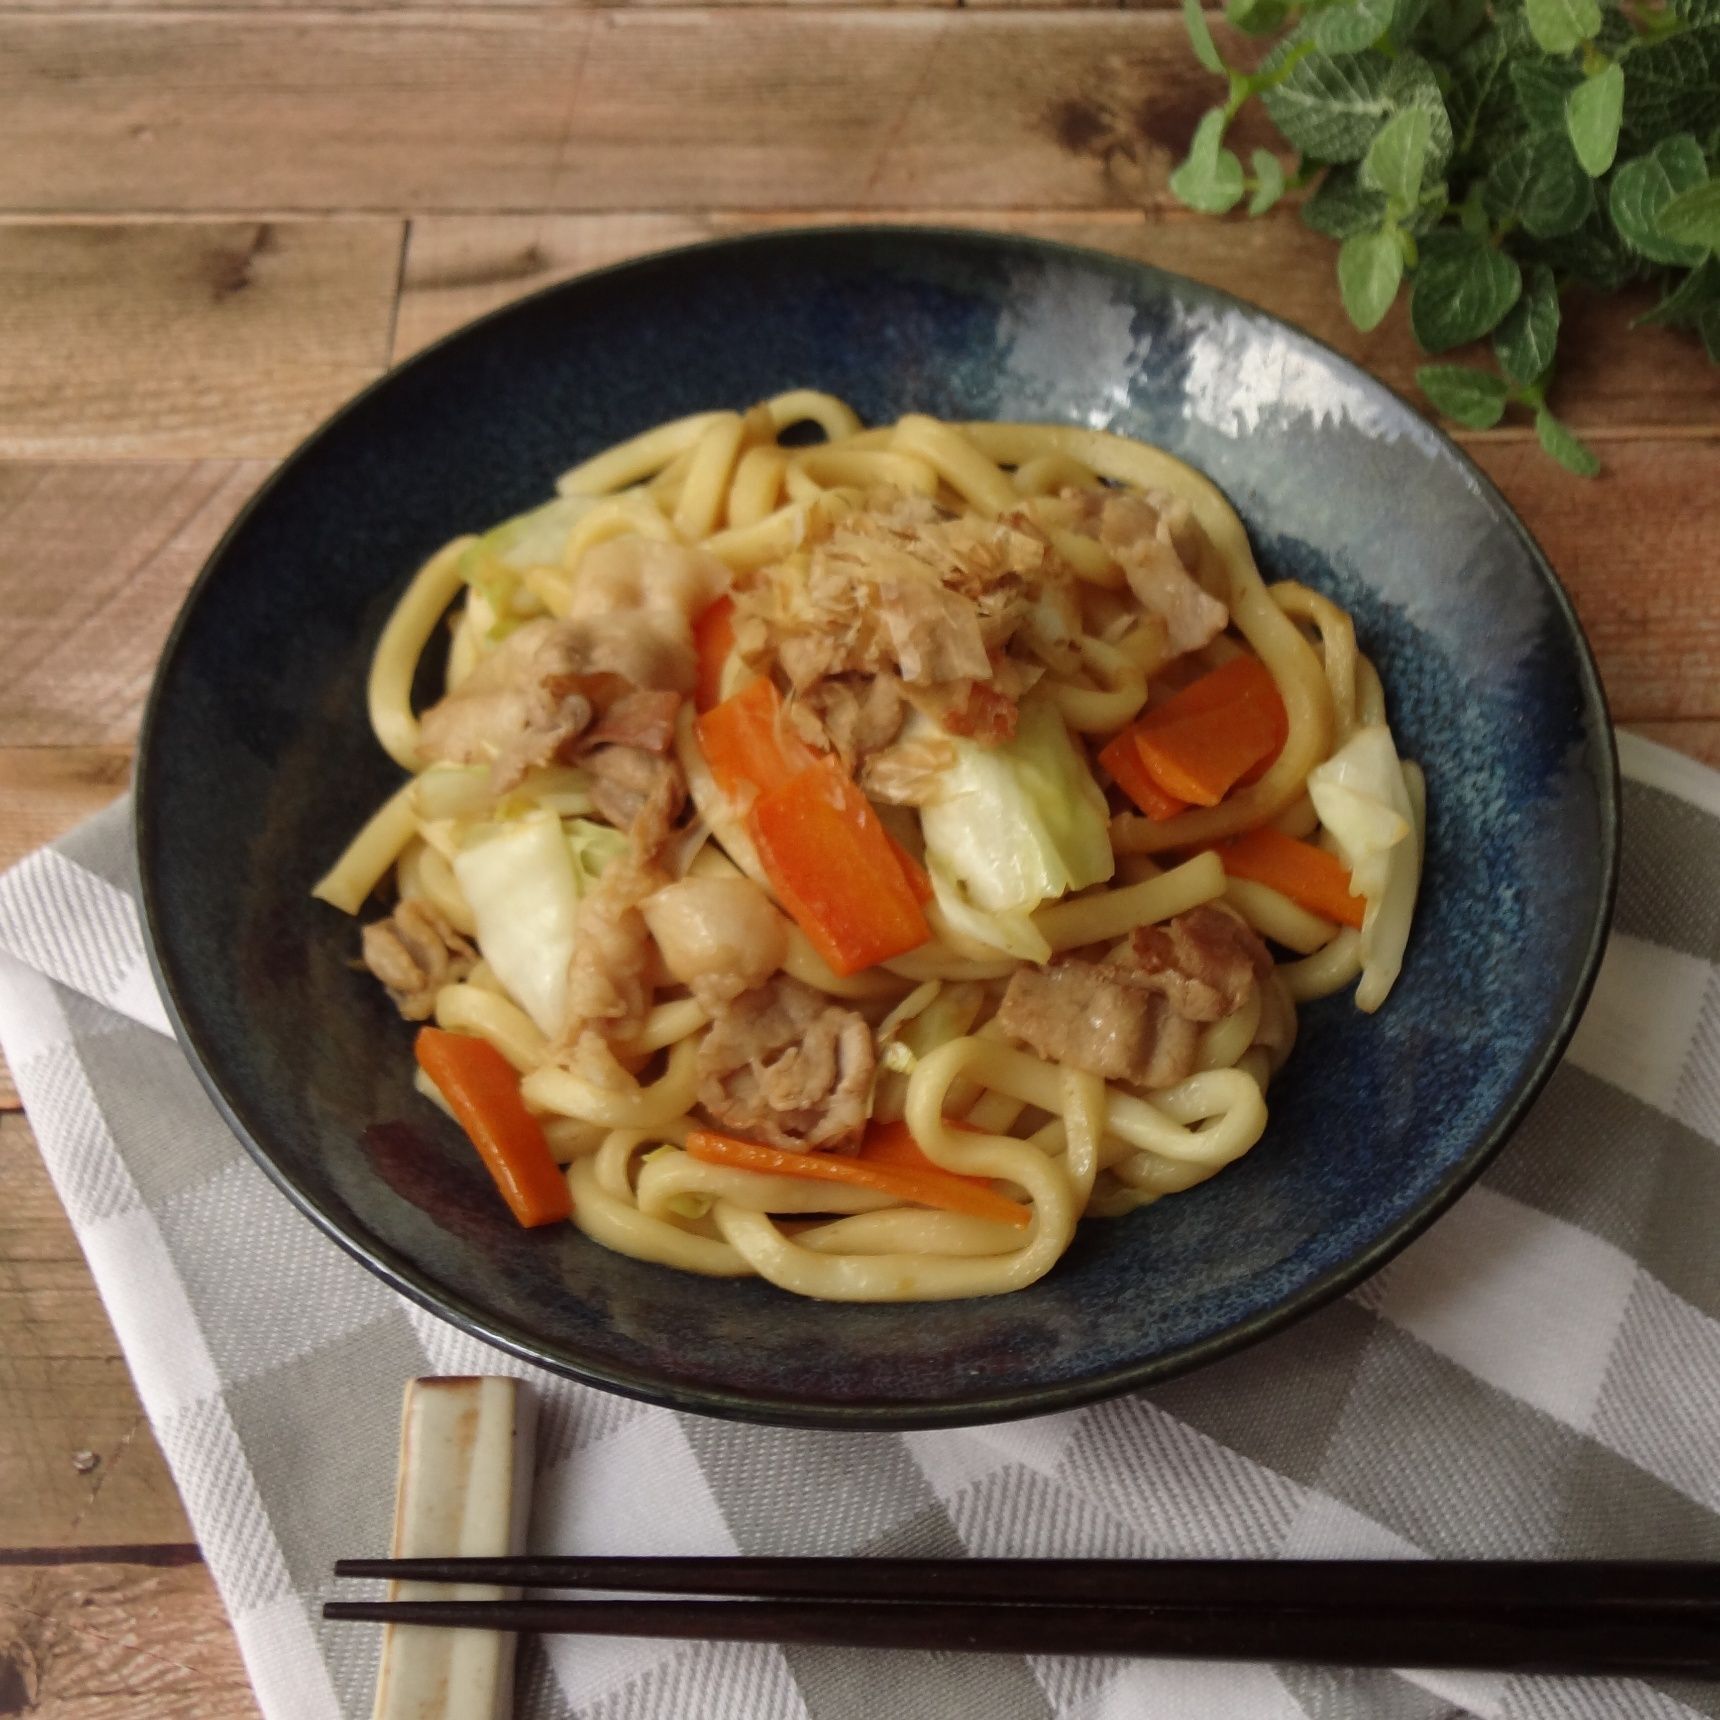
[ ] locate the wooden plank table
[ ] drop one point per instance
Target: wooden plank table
(217, 223)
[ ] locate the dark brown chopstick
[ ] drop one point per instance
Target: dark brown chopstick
(1544, 1640)
(1583, 1617)
(1325, 1583)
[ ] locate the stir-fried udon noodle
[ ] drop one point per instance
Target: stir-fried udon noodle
(854, 861)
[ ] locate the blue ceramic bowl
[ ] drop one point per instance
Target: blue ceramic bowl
(257, 765)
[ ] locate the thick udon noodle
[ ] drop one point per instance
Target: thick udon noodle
(1065, 1142)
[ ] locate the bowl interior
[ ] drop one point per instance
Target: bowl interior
(258, 764)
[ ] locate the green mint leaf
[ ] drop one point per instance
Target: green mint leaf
(1693, 217)
(1673, 86)
(1525, 341)
(1352, 25)
(1370, 266)
(1562, 196)
(1210, 180)
(1695, 297)
(1641, 189)
(1542, 88)
(1413, 84)
(1593, 111)
(1200, 37)
(1341, 207)
(1473, 397)
(1257, 17)
(1397, 157)
(1268, 181)
(1695, 11)
(1561, 25)
(1571, 453)
(1594, 254)
(1463, 288)
(1329, 108)
(1540, 181)
(1478, 94)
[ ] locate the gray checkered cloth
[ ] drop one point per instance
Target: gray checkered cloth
(1539, 1375)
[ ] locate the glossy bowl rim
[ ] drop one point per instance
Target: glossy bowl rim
(663, 1387)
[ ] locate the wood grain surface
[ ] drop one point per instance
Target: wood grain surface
(218, 220)
(120, 1638)
(207, 338)
(98, 556)
(486, 109)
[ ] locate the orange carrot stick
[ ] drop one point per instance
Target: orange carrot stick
(1223, 729)
(893, 1144)
(922, 1188)
(483, 1091)
(1309, 876)
(713, 639)
(854, 890)
(835, 869)
(1240, 678)
(1121, 756)
(1200, 759)
(1199, 755)
(748, 743)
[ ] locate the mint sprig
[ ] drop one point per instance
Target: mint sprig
(1473, 397)
(1489, 156)
(1558, 26)
(1526, 339)
(1594, 111)
(1370, 266)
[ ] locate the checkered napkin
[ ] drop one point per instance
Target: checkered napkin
(1539, 1375)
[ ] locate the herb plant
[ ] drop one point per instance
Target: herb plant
(1491, 154)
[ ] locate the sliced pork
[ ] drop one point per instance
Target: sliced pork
(1157, 545)
(519, 708)
(625, 781)
(415, 952)
(611, 979)
(1205, 963)
(785, 1065)
(1137, 1015)
(1092, 1016)
(620, 656)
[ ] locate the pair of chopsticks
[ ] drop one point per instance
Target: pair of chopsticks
(1640, 1617)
